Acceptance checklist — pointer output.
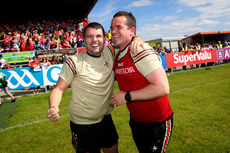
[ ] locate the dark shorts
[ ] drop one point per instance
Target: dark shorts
(152, 137)
(3, 83)
(91, 138)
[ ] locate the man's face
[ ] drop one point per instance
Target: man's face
(121, 33)
(94, 41)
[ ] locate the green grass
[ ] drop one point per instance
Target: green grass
(200, 100)
(7, 112)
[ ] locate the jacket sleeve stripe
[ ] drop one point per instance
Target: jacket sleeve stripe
(143, 54)
(71, 65)
(142, 57)
(111, 49)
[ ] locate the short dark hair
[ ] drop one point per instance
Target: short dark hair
(95, 25)
(131, 19)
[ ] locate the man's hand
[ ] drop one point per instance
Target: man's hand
(52, 114)
(118, 98)
(135, 44)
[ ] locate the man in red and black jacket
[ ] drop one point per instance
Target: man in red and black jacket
(143, 87)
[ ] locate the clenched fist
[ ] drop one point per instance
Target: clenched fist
(52, 114)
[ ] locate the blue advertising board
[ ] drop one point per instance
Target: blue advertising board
(27, 78)
(51, 74)
(163, 60)
(23, 78)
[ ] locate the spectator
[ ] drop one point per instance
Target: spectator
(30, 45)
(45, 62)
(57, 39)
(109, 36)
(79, 43)
(30, 59)
(2, 36)
(207, 46)
(219, 45)
(79, 33)
(225, 45)
(3, 85)
(159, 51)
(228, 45)
(35, 64)
(83, 24)
(2, 62)
(184, 47)
(22, 38)
(191, 48)
(166, 50)
(14, 40)
(171, 50)
(46, 44)
(65, 57)
(39, 46)
(6, 43)
(54, 60)
(23, 46)
(15, 47)
(53, 44)
(107, 41)
(1, 49)
(67, 36)
(65, 44)
(61, 60)
(197, 46)
(73, 40)
(35, 33)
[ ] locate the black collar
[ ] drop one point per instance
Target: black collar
(93, 55)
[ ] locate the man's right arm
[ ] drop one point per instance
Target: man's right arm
(55, 99)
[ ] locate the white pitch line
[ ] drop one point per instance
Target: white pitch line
(185, 89)
(30, 123)
(44, 120)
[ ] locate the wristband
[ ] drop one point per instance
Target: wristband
(128, 97)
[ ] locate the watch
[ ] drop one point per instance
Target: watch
(128, 97)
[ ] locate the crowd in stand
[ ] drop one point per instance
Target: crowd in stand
(211, 45)
(198, 46)
(41, 34)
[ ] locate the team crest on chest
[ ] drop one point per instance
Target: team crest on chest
(106, 64)
(120, 64)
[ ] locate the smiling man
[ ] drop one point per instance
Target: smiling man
(143, 87)
(91, 78)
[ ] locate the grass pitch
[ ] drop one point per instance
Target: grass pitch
(199, 98)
